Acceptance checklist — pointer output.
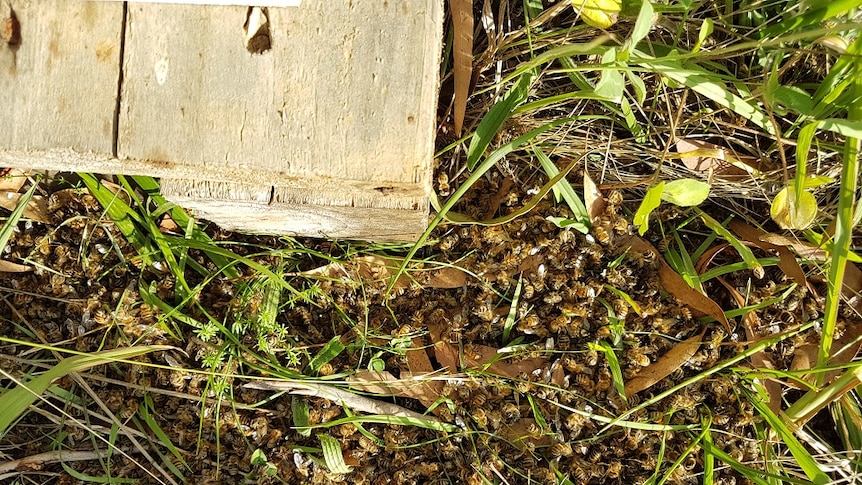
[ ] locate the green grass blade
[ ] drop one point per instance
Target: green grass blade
(332, 454)
(84, 478)
(843, 224)
(299, 412)
(496, 116)
(706, 84)
(163, 438)
(9, 226)
(743, 250)
(122, 214)
(614, 364)
(327, 353)
(803, 457)
(708, 455)
(182, 219)
(509, 324)
(15, 401)
(564, 190)
(829, 10)
(815, 400)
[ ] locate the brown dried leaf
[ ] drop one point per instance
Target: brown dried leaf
(787, 261)
(462, 57)
(12, 180)
(418, 365)
(702, 156)
(375, 382)
(36, 210)
(593, 199)
(448, 277)
(478, 357)
(522, 432)
(801, 248)
(665, 365)
(676, 286)
(10, 267)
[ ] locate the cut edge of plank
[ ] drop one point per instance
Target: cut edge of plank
(310, 211)
(75, 161)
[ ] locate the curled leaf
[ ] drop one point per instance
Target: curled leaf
(791, 212)
(599, 13)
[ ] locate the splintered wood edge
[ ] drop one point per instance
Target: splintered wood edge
(389, 214)
(69, 160)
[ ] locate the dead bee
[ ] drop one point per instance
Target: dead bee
(479, 398)
(614, 469)
(443, 188)
(602, 235)
(638, 356)
(558, 450)
(511, 411)
(448, 243)
(621, 308)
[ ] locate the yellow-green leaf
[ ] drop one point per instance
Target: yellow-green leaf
(599, 13)
(685, 192)
(652, 199)
(791, 212)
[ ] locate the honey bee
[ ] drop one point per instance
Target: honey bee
(443, 188)
(602, 235)
(580, 473)
(584, 381)
(480, 417)
(553, 298)
(573, 310)
(614, 469)
(592, 357)
(558, 450)
(639, 356)
(559, 324)
(145, 313)
(449, 242)
(532, 325)
(511, 411)
(527, 291)
(563, 341)
(479, 398)
(663, 325)
(685, 313)
(621, 308)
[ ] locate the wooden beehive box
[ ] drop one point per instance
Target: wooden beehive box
(327, 132)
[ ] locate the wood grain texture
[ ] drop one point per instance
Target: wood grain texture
(58, 85)
(347, 90)
(328, 133)
(325, 214)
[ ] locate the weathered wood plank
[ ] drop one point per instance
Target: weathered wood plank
(58, 86)
(325, 214)
(346, 91)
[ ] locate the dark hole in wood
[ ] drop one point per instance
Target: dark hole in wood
(257, 35)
